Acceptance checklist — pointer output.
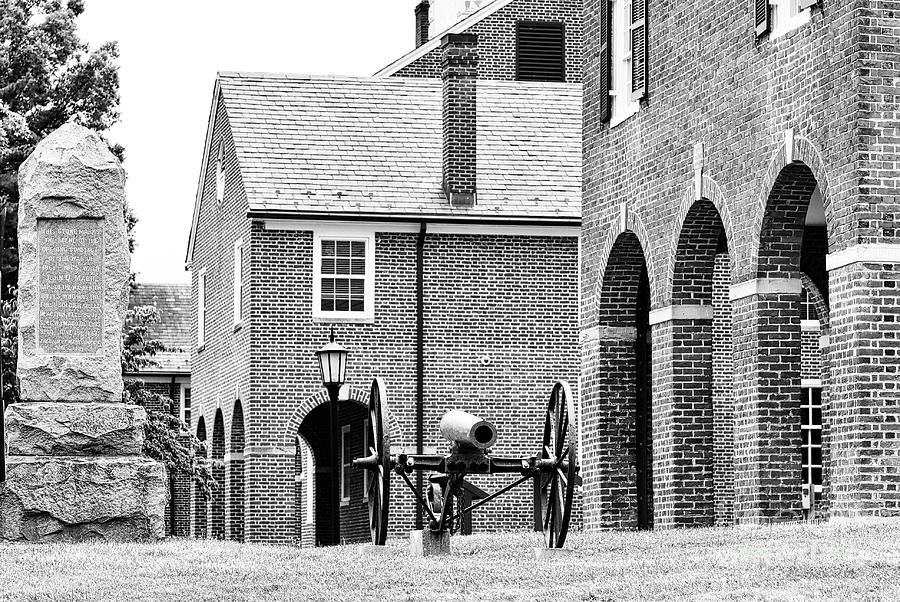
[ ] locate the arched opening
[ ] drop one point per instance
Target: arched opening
(694, 411)
(304, 494)
(200, 496)
(236, 475)
(769, 352)
(217, 514)
(314, 430)
(617, 418)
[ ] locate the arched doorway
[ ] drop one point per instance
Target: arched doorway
(769, 350)
(236, 475)
(304, 494)
(693, 412)
(217, 514)
(201, 500)
(618, 435)
(314, 430)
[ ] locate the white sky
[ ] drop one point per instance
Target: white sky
(170, 53)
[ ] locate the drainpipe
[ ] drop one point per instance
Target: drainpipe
(420, 357)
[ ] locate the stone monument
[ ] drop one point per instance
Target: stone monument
(75, 469)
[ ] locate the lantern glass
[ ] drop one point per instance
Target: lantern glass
(332, 363)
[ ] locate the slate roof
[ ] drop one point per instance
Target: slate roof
(174, 328)
(373, 145)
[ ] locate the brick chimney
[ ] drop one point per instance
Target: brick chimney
(422, 22)
(459, 70)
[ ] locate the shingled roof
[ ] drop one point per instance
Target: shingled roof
(373, 145)
(174, 328)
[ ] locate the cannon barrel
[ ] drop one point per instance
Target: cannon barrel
(468, 430)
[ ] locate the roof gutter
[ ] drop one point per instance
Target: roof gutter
(416, 218)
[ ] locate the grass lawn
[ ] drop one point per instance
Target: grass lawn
(859, 560)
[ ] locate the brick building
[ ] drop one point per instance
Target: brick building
(170, 375)
(432, 214)
(740, 261)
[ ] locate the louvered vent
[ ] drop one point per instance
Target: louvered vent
(540, 51)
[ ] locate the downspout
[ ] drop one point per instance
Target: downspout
(420, 357)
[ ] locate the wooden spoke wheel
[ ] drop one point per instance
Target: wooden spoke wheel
(557, 484)
(379, 487)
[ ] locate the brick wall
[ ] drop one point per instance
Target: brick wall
(220, 368)
(499, 328)
(776, 117)
(497, 40)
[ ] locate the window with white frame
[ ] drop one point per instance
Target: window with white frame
(346, 466)
(365, 453)
(811, 432)
(627, 37)
(220, 172)
(201, 307)
(186, 404)
(788, 15)
(238, 280)
(344, 276)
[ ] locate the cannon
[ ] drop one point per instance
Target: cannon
(552, 469)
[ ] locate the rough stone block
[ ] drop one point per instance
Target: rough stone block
(73, 257)
(427, 543)
(552, 553)
(75, 429)
(52, 499)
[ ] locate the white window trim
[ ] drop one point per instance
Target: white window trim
(365, 453)
(201, 308)
(787, 17)
(622, 105)
(220, 173)
(345, 434)
(238, 281)
(344, 233)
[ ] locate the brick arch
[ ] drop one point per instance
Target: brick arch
(236, 475)
(200, 496)
(780, 208)
(713, 196)
(619, 284)
(634, 225)
(217, 510)
(357, 395)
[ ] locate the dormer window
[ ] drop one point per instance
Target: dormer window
(220, 173)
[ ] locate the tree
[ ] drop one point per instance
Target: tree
(48, 77)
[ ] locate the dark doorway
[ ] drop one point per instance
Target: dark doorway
(643, 417)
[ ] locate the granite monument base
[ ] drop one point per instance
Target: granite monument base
(87, 498)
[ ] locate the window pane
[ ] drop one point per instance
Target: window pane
(816, 456)
(358, 249)
(341, 305)
(805, 434)
(357, 305)
(328, 247)
(342, 287)
(817, 416)
(357, 287)
(328, 265)
(343, 248)
(817, 475)
(816, 396)
(343, 266)
(327, 304)
(816, 436)
(358, 267)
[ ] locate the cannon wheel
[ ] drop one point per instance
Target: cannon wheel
(379, 479)
(557, 488)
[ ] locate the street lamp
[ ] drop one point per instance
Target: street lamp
(333, 367)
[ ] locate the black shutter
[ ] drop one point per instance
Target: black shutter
(639, 54)
(604, 69)
(540, 51)
(804, 4)
(761, 9)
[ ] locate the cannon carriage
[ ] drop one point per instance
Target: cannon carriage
(552, 470)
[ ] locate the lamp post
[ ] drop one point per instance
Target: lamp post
(333, 367)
